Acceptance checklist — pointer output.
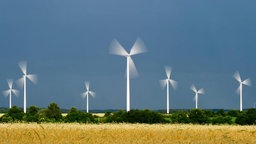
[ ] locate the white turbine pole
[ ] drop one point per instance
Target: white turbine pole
(117, 49)
(87, 101)
(10, 99)
(25, 94)
(197, 100)
(241, 97)
(167, 95)
(128, 85)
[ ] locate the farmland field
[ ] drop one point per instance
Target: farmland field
(125, 133)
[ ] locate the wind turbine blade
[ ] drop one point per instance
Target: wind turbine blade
(20, 82)
(6, 92)
(201, 91)
(237, 77)
(10, 82)
(117, 49)
(173, 83)
(23, 67)
(238, 90)
(194, 98)
(83, 95)
(133, 70)
(93, 94)
(33, 78)
(168, 71)
(163, 83)
(16, 92)
(193, 88)
(87, 85)
(138, 47)
(247, 82)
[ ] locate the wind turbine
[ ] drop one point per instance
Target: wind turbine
(86, 94)
(117, 49)
(240, 88)
(23, 81)
(10, 91)
(166, 83)
(197, 92)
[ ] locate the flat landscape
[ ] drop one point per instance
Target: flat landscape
(125, 133)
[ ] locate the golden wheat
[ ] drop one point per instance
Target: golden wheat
(124, 133)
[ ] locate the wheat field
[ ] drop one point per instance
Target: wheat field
(124, 133)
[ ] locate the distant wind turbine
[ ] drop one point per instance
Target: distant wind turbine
(10, 91)
(166, 83)
(117, 49)
(86, 94)
(197, 92)
(240, 88)
(23, 81)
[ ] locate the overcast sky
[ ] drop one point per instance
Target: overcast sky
(67, 42)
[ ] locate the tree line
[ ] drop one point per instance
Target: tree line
(195, 116)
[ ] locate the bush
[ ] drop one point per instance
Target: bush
(6, 118)
(251, 116)
(221, 112)
(32, 114)
(221, 120)
(233, 113)
(53, 113)
(241, 119)
(119, 116)
(15, 113)
(180, 117)
(198, 116)
(136, 116)
(75, 115)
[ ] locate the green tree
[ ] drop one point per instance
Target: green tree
(233, 113)
(180, 117)
(15, 113)
(198, 116)
(32, 114)
(241, 118)
(75, 115)
(221, 112)
(251, 116)
(53, 112)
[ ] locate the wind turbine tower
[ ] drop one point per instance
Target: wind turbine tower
(117, 49)
(240, 88)
(165, 83)
(197, 92)
(23, 81)
(86, 95)
(10, 91)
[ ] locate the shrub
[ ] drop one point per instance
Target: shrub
(233, 113)
(15, 113)
(180, 117)
(75, 115)
(136, 116)
(197, 116)
(221, 120)
(53, 112)
(32, 115)
(251, 116)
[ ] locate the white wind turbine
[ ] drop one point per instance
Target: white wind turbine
(23, 81)
(117, 49)
(166, 83)
(240, 88)
(197, 92)
(10, 91)
(86, 94)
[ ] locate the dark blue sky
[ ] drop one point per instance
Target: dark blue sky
(67, 42)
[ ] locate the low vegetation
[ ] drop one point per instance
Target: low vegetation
(195, 116)
(125, 133)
